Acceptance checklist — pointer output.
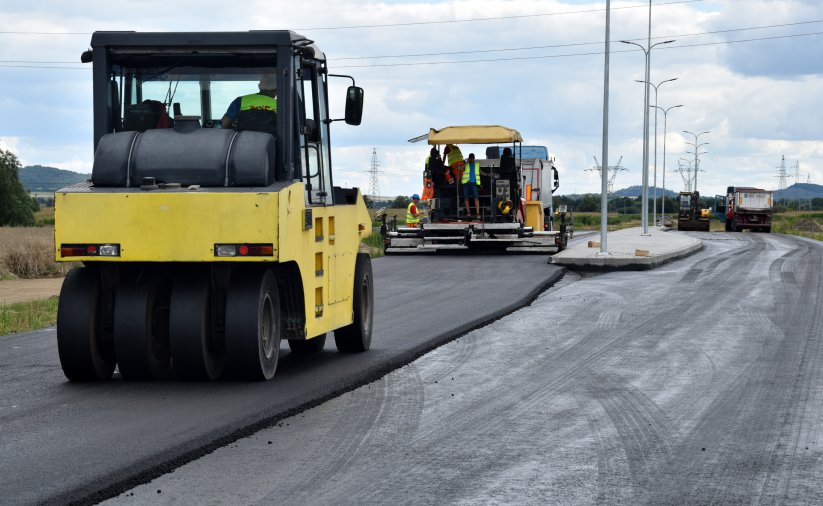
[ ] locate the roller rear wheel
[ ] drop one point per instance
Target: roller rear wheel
(253, 325)
(85, 353)
(357, 336)
(141, 327)
(195, 351)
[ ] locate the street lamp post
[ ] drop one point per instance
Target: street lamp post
(644, 205)
(654, 198)
(665, 114)
(696, 149)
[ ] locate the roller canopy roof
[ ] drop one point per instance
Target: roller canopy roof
(473, 134)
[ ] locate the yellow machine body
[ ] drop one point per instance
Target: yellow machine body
(184, 226)
(534, 214)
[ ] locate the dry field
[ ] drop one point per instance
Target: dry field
(27, 252)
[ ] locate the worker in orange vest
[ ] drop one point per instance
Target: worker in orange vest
(455, 161)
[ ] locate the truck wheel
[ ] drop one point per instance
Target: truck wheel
(306, 346)
(357, 336)
(768, 230)
(141, 327)
(253, 325)
(195, 352)
(85, 355)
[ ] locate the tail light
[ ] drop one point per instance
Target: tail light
(243, 250)
(89, 250)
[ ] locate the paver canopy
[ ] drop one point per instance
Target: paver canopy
(470, 134)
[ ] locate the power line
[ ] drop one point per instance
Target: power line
(499, 50)
(512, 58)
(417, 23)
(44, 67)
(593, 53)
(496, 18)
(578, 43)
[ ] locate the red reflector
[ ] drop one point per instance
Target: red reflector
(243, 250)
(72, 252)
(91, 249)
(261, 250)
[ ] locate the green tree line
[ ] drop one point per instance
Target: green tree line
(17, 208)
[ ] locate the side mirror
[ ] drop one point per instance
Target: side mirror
(354, 105)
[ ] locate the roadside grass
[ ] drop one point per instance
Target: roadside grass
(800, 223)
(26, 316)
(804, 224)
(390, 212)
(591, 221)
(27, 253)
(44, 217)
(373, 244)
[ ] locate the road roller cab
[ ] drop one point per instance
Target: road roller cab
(202, 246)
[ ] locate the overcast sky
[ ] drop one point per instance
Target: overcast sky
(749, 72)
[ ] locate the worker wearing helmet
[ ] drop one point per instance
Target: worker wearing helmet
(470, 181)
(413, 213)
(265, 100)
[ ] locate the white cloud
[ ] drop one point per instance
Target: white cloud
(758, 99)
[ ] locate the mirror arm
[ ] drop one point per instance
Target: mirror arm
(343, 75)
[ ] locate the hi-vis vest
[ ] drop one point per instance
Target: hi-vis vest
(258, 101)
(471, 166)
(455, 155)
(410, 219)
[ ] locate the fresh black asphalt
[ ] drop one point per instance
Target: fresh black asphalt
(79, 443)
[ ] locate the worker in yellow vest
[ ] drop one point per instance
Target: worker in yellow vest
(455, 161)
(265, 100)
(470, 181)
(413, 213)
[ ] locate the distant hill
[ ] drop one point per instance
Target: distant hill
(36, 178)
(800, 191)
(636, 191)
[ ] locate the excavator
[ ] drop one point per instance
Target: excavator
(690, 216)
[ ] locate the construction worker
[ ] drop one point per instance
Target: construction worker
(413, 213)
(265, 100)
(455, 161)
(470, 182)
(431, 171)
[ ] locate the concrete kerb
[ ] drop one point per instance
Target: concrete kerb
(625, 250)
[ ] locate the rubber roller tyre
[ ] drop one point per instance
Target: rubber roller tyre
(195, 352)
(85, 354)
(357, 336)
(308, 346)
(141, 328)
(253, 325)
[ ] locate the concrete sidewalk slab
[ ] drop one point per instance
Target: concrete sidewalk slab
(628, 249)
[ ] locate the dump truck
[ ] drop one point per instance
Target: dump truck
(690, 216)
(206, 240)
(512, 217)
(746, 208)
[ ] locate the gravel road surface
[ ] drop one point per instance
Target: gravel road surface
(700, 382)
